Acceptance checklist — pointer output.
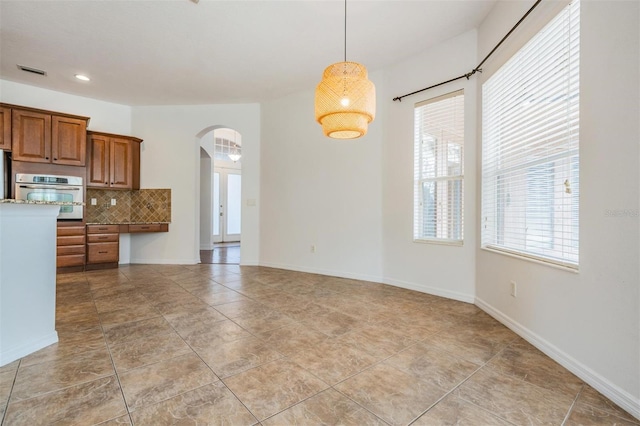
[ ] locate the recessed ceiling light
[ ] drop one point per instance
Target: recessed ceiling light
(82, 77)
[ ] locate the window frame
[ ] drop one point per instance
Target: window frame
(442, 216)
(563, 162)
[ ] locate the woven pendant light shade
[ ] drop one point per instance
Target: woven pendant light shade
(345, 101)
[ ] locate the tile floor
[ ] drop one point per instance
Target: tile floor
(221, 344)
(224, 253)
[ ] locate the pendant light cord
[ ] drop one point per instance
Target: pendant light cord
(345, 30)
(476, 69)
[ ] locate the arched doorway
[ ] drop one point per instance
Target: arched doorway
(220, 196)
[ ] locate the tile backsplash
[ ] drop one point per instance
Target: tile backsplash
(139, 206)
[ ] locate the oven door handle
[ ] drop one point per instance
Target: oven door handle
(65, 188)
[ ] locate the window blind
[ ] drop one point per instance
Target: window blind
(530, 147)
(439, 169)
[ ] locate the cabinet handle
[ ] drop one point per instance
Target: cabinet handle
(102, 238)
(103, 252)
(106, 183)
(145, 227)
(102, 229)
(55, 159)
(46, 158)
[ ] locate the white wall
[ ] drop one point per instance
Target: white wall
(444, 270)
(170, 158)
(105, 116)
(319, 191)
(589, 321)
(206, 233)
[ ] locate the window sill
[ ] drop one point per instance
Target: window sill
(539, 261)
(458, 243)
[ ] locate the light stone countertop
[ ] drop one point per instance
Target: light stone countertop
(51, 203)
(124, 223)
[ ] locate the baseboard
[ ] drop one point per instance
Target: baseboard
(206, 247)
(27, 348)
(621, 397)
(165, 261)
(321, 271)
(455, 295)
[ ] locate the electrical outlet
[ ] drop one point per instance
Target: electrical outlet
(113, 201)
(514, 289)
(313, 248)
(94, 201)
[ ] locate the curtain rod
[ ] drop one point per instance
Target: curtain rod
(478, 68)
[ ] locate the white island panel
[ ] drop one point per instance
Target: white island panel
(27, 278)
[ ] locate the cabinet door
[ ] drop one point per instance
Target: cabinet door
(121, 163)
(98, 167)
(31, 133)
(102, 252)
(5, 128)
(68, 141)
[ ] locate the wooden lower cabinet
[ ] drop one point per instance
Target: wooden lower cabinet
(70, 247)
(81, 247)
(149, 227)
(103, 247)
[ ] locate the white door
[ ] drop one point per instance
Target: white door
(227, 205)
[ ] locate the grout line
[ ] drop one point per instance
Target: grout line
(115, 370)
(573, 404)
(13, 383)
(462, 382)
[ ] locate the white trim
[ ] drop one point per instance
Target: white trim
(454, 295)
(531, 258)
(207, 246)
(621, 397)
(165, 261)
(443, 242)
(331, 273)
(28, 348)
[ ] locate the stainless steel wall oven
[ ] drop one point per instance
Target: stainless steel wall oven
(52, 188)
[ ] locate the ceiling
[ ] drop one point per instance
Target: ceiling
(176, 52)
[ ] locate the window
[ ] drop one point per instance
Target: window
(439, 169)
(530, 158)
(226, 142)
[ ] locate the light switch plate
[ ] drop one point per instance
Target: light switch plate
(113, 201)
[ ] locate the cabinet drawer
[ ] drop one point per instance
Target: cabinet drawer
(70, 240)
(66, 250)
(102, 252)
(151, 227)
(70, 260)
(102, 238)
(70, 230)
(102, 229)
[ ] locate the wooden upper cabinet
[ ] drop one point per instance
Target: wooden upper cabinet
(68, 140)
(98, 165)
(114, 161)
(46, 137)
(121, 163)
(5, 128)
(31, 132)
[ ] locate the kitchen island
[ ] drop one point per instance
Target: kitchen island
(27, 277)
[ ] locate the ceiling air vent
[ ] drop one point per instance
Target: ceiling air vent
(32, 70)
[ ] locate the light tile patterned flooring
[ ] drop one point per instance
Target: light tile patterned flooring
(223, 344)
